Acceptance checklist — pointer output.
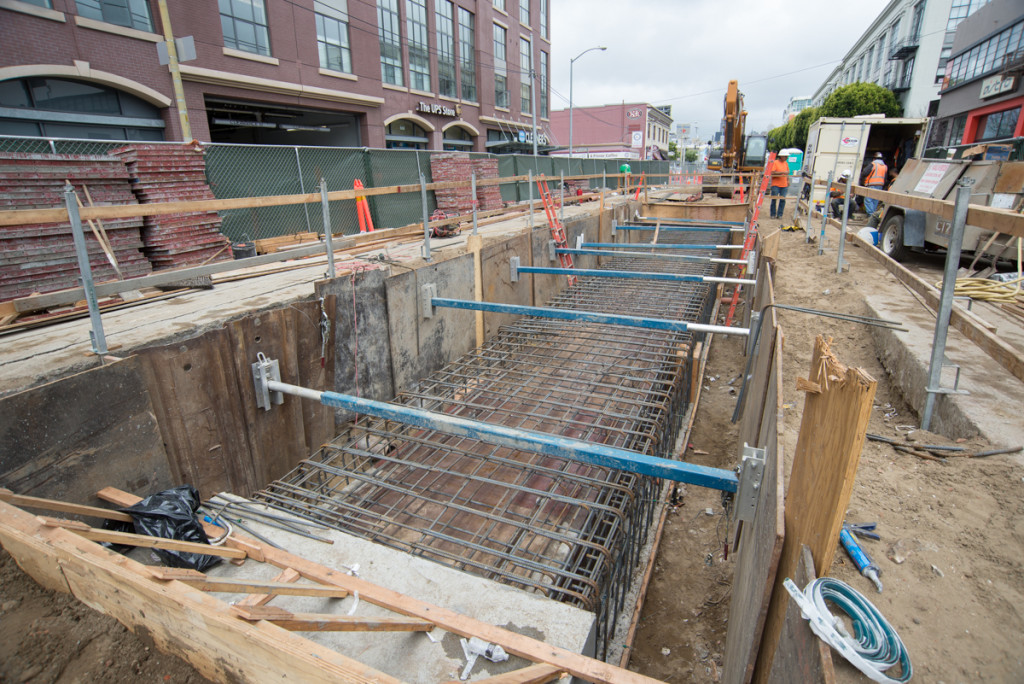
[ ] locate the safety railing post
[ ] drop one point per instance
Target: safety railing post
(476, 229)
(426, 218)
(328, 230)
(99, 340)
(824, 214)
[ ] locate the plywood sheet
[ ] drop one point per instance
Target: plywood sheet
(69, 438)
(801, 656)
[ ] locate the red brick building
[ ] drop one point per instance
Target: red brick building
(631, 130)
(417, 74)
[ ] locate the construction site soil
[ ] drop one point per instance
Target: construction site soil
(951, 553)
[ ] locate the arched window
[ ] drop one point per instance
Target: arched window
(405, 134)
(457, 138)
(65, 108)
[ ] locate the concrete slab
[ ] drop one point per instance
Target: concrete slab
(414, 657)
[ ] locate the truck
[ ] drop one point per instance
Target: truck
(835, 145)
(996, 183)
(739, 153)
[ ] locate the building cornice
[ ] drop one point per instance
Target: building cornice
(267, 85)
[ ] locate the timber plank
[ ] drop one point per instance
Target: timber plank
(193, 625)
(515, 644)
(131, 539)
(1000, 220)
(327, 622)
(286, 575)
(217, 584)
(62, 506)
(832, 433)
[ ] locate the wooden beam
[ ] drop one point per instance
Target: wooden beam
(534, 674)
(328, 622)
(129, 539)
(207, 583)
(516, 644)
(999, 220)
(193, 625)
(286, 575)
(832, 433)
(62, 506)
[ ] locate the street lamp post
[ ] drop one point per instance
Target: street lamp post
(571, 62)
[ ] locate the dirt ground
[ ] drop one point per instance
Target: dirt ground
(952, 547)
(951, 554)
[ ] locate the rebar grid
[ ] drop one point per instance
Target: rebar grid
(569, 530)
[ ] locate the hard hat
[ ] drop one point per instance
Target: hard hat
(845, 173)
(878, 155)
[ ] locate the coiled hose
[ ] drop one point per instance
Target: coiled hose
(986, 290)
(875, 646)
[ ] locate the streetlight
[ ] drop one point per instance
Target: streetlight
(571, 61)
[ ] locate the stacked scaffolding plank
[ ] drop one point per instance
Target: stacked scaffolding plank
(568, 530)
(41, 257)
(171, 173)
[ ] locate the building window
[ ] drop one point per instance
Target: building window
(915, 23)
(499, 5)
(940, 69)
(998, 125)
(48, 4)
(956, 129)
(457, 138)
(526, 69)
(524, 12)
(244, 23)
(467, 55)
(543, 84)
(908, 72)
(962, 9)
(389, 31)
(987, 56)
(869, 68)
(419, 44)
(543, 12)
(881, 56)
(500, 67)
(406, 135)
(444, 18)
(131, 13)
(332, 35)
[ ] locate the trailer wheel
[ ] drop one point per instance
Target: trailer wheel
(890, 238)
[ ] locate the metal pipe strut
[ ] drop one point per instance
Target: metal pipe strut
(649, 255)
(550, 445)
(591, 316)
(681, 228)
(638, 275)
(702, 222)
(658, 246)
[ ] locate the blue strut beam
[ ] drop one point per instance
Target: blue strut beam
(591, 316)
(526, 440)
(637, 275)
(649, 255)
(701, 222)
(635, 245)
(688, 229)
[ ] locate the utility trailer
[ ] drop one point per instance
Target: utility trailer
(835, 145)
(993, 183)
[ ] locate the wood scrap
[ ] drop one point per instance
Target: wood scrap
(62, 506)
(130, 539)
(327, 622)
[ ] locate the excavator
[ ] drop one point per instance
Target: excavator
(739, 153)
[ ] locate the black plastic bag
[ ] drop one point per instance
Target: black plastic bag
(172, 514)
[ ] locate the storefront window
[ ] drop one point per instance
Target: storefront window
(998, 125)
(406, 135)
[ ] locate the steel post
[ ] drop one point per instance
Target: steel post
(842, 229)
(956, 237)
(328, 230)
(426, 218)
(476, 228)
(302, 189)
(99, 340)
(561, 196)
(824, 214)
(529, 185)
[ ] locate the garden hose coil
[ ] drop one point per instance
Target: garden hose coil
(875, 646)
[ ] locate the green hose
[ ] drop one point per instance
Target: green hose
(875, 646)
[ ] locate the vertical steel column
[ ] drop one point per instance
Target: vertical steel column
(426, 219)
(824, 214)
(956, 237)
(842, 230)
(302, 189)
(529, 184)
(472, 179)
(810, 209)
(561, 195)
(328, 230)
(99, 340)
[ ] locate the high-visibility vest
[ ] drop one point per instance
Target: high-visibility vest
(877, 175)
(779, 167)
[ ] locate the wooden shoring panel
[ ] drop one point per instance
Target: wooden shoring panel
(191, 624)
(832, 433)
(801, 656)
(515, 644)
(194, 390)
(760, 542)
(317, 419)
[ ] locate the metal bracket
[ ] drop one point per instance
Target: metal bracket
(263, 370)
(579, 241)
(750, 476)
(552, 255)
(513, 264)
(427, 294)
(615, 225)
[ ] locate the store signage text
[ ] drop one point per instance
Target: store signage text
(435, 108)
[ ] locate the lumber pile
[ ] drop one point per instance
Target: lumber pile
(41, 257)
(173, 173)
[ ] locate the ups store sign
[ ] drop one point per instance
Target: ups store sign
(436, 108)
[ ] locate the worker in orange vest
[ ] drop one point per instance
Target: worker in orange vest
(780, 184)
(874, 177)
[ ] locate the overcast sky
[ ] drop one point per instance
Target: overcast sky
(685, 52)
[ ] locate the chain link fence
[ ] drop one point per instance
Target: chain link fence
(236, 171)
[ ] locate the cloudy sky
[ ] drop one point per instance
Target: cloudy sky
(685, 52)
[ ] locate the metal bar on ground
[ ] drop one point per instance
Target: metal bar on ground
(551, 445)
(649, 255)
(638, 275)
(589, 316)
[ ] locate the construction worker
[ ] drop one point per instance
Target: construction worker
(780, 185)
(874, 177)
(838, 194)
(625, 171)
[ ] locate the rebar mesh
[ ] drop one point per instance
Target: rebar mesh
(568, 530)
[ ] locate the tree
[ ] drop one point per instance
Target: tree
(800, 123)
(673, 150)
(857, 99)
(691, 154)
